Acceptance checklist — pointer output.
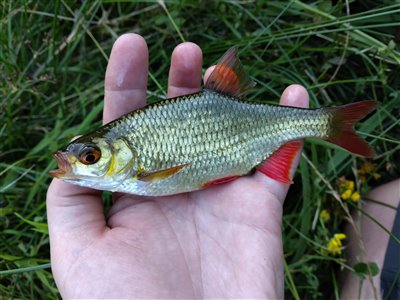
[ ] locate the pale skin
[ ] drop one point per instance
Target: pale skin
(221, 242)
(374, 238)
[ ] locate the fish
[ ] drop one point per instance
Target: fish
(204, 139)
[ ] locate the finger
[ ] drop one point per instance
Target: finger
(70, 205)
(126, 77)
(75, 219)
(185, 70)
(208, 73)
(294, 95)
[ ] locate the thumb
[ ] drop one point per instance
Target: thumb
(75, 217)
(73, 210)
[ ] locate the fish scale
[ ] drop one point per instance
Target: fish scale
(247, 133)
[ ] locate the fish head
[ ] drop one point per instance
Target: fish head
(95, 162)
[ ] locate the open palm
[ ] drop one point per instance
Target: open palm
(221, 242)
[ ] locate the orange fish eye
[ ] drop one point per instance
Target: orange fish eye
(89, 155)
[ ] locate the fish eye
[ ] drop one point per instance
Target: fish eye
(89, 155)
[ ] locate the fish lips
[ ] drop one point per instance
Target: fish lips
(64, 167)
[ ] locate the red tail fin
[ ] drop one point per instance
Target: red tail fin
(343, 134)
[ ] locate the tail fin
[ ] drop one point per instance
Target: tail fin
(343, 134)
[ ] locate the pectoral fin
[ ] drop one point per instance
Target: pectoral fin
(160, 174)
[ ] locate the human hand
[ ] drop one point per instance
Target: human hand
(221, 242)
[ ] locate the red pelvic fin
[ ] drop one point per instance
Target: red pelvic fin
(220, 181)
(343, 134)
(278, 165)
(229, 76)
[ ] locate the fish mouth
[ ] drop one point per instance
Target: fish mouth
(64, 167)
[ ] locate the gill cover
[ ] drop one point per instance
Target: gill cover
(96, 163)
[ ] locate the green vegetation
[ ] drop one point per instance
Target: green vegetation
(53, 55)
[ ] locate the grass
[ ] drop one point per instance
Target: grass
(53, 55)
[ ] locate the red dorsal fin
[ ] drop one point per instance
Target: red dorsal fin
(219, 181)
(344, 118)
(278, 165)
(229, 76)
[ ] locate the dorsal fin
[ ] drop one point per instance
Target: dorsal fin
(229, 76)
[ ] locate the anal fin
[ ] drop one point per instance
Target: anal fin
(278, 165)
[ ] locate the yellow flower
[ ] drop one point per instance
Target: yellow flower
(340, 236)
(366, 167)
(335, 244)
(346, 185)
(347, 190)
(355, 196)
(350, 185)
(376, 176)
(346, 195)
(325, 215)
